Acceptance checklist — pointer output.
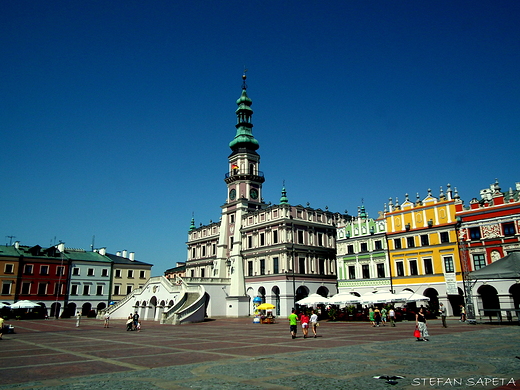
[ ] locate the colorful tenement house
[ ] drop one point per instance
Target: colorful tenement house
(279, 252)
(36, 274)
(362, 254)
(423, 249)
(489, 229)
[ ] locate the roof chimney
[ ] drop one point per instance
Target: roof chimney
(102, 251)
(125, 254)
(61, 247)
(17, 244)
(132, 256)
(118, 253)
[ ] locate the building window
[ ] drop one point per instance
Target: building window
(300, 237)
(129, 288)
(262, 266)
(352, 272)
(321, 266)
(99, 289)
(448, 264)
(142, 274)
(130, 274)
(380, 270)
(378, 245)
(60, 271)
(203, 250)
(86, 289)
(214, 249)
(413, 267)
(42, 288)
(6, 288)
(44, 269)
(350, 249)
(58, 288)
(364, 247)
(28, 269)
(104, 272)
(474, 233)
(9, 269)
(202, 272)
(320, 239)
(117, 289)
(26, 288)
(249, 268)
(397, 243)
(301, 262)
(193, 253)
(75, 271)
(275, 265)
(410, 242)
(90, 272)
(365, 271)
(192, 273)
(428, 267)
(118, 273)
(250, 241)
(509, 229)
(275, 237)
(479, 261)
(425, 241)
(74, 289)
(445, 237)
(399, 268)
(262, 239)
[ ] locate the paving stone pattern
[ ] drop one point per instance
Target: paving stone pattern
(238, 354)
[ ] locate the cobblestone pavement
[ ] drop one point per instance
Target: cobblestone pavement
(237, 354)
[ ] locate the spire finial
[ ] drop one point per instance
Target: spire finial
(244, 77)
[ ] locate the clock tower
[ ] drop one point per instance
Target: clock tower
(244, 194)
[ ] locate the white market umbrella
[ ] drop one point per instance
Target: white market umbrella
(417, 297)
(2, 305)
(24, 305)
(313, 299)
(377, 297)
(344, 299)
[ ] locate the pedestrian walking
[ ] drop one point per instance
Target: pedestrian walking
(304, 320)
(420, 323)
(314, 323)
(462, 313)
(135, 317)
(371, 316)
(384, 313)
(391, 314)
(377, 316)
(107, 319)
(78, 318)
(442, 312)
(293, 323)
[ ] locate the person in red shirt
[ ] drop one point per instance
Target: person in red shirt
(304, 319)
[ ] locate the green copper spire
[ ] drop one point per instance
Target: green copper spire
(284, 199)
(244, 137)
(192, 225)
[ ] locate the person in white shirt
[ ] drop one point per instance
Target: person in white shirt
(314, 323)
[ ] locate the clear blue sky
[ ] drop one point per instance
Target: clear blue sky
(116, 116)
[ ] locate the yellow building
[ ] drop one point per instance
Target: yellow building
(423, 249)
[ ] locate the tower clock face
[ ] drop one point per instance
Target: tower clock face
(253, 193)
(232, 194)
